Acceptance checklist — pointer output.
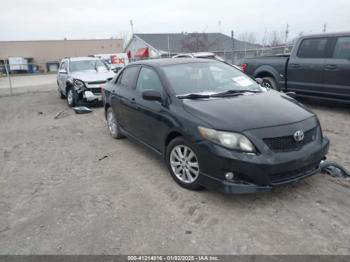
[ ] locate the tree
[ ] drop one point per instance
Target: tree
(195, 42)
(248, 37)
(275, 38)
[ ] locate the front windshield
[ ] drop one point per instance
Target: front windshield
(88, 65)
(208, 77)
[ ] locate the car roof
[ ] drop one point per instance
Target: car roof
(171, 61)
(83, 58)
(334, 34)
(203, 54)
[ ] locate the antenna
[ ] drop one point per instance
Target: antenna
(324, 28)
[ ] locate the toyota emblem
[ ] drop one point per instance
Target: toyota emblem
(298, 135)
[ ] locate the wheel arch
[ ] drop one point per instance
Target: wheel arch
(106, 106)
(68, 85)
(169, 137)
(267, 71)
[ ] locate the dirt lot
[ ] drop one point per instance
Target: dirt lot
(56, 197)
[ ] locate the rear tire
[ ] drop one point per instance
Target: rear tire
(270, 82)
(60, 94)
(183, 164)
(112, 124)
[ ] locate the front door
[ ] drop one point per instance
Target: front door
(305, 69)
(337, 69)
(150, 114)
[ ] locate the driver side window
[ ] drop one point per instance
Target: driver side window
(148, 80)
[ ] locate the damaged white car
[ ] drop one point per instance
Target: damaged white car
(81, 79)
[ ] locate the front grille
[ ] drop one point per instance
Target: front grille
(287, 143)
(286, 176)
(95, 91)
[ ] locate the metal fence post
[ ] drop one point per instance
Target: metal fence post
(9, 77)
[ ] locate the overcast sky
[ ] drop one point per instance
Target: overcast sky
(84, 19)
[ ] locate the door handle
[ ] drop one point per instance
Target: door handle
(331, 67)
(133, 101)
(295, 65)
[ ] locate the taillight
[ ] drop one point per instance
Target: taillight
(244, 67)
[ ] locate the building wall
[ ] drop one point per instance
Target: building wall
(137, 43)
(55, 50)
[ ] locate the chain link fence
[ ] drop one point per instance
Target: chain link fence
(238, 56)
(17, 78)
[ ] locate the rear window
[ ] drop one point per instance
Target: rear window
(313, 48)
(342, 48)
(128, 77)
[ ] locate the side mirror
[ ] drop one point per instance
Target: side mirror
(291, 94)
(152, 95)
(62, 71)
(260, 81)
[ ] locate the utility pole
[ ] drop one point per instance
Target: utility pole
(233, 45)
(8, 71)
(286, 34)
(168, 45)
(132, 27)
(324, 28)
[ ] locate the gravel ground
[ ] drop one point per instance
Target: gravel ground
(57, 197)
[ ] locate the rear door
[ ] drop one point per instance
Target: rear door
(337, 69)
(305, 68)
(123, 98)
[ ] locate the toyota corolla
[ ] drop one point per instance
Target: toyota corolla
(214, 126)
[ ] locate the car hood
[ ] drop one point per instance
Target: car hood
(92, 76)
(239, 113)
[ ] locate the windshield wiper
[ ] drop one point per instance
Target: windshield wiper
(193, 96)
(235, 92)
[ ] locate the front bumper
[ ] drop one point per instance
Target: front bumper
(90, 96)
(257, 173)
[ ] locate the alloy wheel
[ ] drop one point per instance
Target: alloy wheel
(184, 164)
(70, 97)
(112, 123)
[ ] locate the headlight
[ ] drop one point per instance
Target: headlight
(227, 139)
(78, 83)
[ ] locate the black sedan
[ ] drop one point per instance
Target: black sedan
(214, 126)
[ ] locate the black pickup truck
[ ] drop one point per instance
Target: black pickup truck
(318, 66)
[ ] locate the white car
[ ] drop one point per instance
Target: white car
(81, 79)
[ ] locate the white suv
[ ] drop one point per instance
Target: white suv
(80, 79)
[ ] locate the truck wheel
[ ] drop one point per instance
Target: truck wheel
(270, 83)
(72, 97)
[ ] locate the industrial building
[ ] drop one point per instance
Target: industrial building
(143, 46)
(45, 55)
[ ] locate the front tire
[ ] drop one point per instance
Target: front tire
(112, 124)
(72, 97)
(183, 164)
(270, 82)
